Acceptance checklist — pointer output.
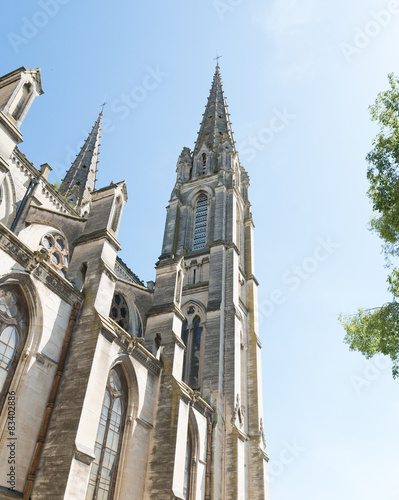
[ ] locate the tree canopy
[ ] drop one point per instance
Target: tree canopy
(376, 330)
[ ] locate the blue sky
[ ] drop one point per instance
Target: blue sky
(307, 69)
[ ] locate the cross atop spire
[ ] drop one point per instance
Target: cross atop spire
(217, 59)
(80, 180)
(215, 127)
(102, 107)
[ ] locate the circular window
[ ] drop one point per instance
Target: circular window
(119, 311)
(54, 245)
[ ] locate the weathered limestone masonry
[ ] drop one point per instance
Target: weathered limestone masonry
(209, 232)
(148, 392)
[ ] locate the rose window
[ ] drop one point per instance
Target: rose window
(55, 247)
(119, 311)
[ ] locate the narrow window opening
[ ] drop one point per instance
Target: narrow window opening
(187, 466)
(191, 336)
(203, 163)
(117, 213)
(201, 216)
(108, 441)
(26, 90)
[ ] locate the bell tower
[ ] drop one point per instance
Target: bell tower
(206, 284)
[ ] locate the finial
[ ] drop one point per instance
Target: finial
(217, 59)
(102, 106)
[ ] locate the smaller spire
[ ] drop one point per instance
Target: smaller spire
(215, 127)
(80, 179)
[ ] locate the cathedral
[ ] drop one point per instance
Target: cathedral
(111, 388)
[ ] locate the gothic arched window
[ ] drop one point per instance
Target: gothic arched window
(191, 336)
(55, 246)
(13, 333)
(109, 438)
(201, 216)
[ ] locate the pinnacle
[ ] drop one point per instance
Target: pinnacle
(80, 179)
(215, 125)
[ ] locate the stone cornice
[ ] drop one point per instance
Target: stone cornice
(84, 454)
(264, 454)
(194, 398)
(251, 277)
(144, 423)
(179, 341)
(132, 345)
(109, 272)
(11, 128)
(4, 165)
(98, 235)
(164, 309)
(197, 287)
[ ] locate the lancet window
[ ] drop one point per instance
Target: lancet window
(104, 469)
(192, 333)
(200, 224)
(188, 466)
(203, 163)
(13, 333)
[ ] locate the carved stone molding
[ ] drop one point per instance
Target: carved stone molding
(34, 264)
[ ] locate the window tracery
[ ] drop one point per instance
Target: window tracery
(13, 333)
(127, 318)
(109, 438)
(55, 246)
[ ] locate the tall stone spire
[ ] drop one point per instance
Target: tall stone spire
(80, 179)
(215, 127)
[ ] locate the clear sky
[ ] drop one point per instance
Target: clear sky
(298, 76)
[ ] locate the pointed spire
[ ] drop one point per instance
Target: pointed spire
(215, 127)
(80, 179)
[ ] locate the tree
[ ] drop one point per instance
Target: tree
(376, 330)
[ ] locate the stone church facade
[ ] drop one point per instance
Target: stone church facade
(110, 388)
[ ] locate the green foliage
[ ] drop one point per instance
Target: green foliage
(374, 332)
(377, 331)
(383, 171)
